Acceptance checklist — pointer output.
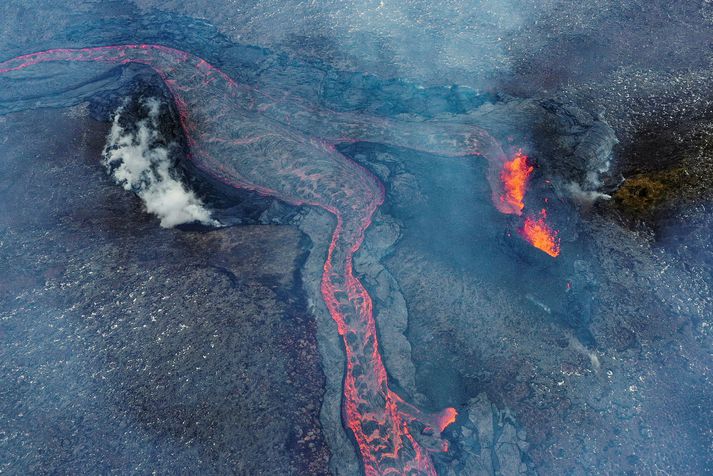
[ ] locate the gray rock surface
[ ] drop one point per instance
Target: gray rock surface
(490, 442)
(132, 348)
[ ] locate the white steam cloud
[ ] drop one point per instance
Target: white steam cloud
(138, 162)
(585, 197)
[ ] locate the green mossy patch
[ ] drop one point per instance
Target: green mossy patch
(640, 194)
(645, 194)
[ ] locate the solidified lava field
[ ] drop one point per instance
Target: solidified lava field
(455, 238)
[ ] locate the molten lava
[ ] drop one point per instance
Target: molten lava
(446, 417)
(514, 176)
(540, 235)
(250, 140)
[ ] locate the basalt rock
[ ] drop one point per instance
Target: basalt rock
(490, 442)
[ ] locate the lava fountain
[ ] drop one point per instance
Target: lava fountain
(248, 139)
(515, 175)
(539, 234)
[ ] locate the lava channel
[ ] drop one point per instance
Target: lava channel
(247, 139)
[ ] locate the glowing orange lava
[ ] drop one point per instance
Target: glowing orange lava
(514, 176)
(446, 417)
(540, 235)
(226, 125)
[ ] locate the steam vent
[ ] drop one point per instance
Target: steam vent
(356, 238)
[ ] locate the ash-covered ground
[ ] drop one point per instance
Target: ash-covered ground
(597, 362)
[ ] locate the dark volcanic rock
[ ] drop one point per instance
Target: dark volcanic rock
(573, 347)
(491, 442)
(668, 174)
(132, 348)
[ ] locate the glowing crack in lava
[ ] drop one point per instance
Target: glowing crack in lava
(539, 234)
(284, 149)
(514, 175)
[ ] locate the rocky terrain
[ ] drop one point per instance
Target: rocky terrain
(133, 348)
(594, 363)
(572, 349)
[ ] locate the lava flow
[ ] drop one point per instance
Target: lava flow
(515, 175)
(539, 234)
(248, 139)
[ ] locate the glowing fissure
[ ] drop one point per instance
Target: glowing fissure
(246, 139)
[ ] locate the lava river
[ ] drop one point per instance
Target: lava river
(284, 149)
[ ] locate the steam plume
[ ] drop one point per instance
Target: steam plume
(138, 162)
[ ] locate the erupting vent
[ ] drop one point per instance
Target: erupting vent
(540, 235)
(514, 176)
(237, 135)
